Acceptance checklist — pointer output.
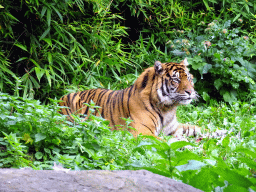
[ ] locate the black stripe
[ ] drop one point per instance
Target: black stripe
(153, 120)
(109, 96)
(107, 107)
(148, 128)
(173, 65)
(150, 113)
(74, 97)
(111, 106)
(91, 96)
(82, 94)
(118, 101)
(155, 108)
(154, 76)
(68, 99)
(166, 84)
(128, 102)
(144, 81)
(162, 87)
(102, 112)
(102, 93)
(122, 100)
(88, 99)
(158, 113)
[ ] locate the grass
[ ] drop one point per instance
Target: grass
(35, 135)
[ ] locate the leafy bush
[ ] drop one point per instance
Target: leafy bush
(67, 44)
(221, 59)
(35, 135)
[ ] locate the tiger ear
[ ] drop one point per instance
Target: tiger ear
(158, 67)
(185, 62)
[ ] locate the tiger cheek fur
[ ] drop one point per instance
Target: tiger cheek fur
(151, 102)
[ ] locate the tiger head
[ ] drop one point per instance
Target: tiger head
(174, 83)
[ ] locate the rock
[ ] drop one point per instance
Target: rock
(91, 180)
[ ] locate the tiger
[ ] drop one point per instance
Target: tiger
(151, 102)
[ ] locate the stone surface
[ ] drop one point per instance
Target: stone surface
(91, 180)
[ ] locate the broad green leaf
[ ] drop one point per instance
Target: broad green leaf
(183, 157)
(45, 33)
(206, 4)
(11, 16)
(226, 141)
(229, 96)
(36, 64)
(238, 15)
(43, 11)
(39, 73)
(21, 46)
(218, 83)
(58, 13)
(61, 45)
(247, 8)
(233, 177)
(191, 165)
(206, 97)
(47, 150)
(143, 143)
(233, 188)
(34, 82)
(179, 144)
(49, 12)
(227, 24)
(158, 144)
(39, 155)
(204, 179)
(197, 62)
(21, 59)
(1, 7)
(217, 55)
(48, 41)
(247, 151)
(206, 68)
(250, 163)
(115, 75)
(85, 51)
(48, 76)
(50, 58)
(39, 137)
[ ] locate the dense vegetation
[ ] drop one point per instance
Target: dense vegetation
(49, 48)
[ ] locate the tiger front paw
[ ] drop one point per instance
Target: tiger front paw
(188, 130)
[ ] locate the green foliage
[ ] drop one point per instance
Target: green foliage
(234, 10)
(34, 135)
(220, 56)
(69, 45)
(49, 46)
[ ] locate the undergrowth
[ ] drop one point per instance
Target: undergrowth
(35, 135)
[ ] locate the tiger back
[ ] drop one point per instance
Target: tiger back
(151, 102)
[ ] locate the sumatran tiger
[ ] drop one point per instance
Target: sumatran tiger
(151, 102)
